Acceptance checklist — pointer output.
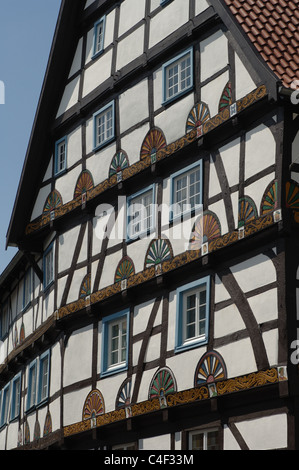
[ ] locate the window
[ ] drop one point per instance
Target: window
(178, 76)
(15, 397)
(186, 190)
(192, 314)
(4, 319)
(48, 266)
(141, 213)
(27, 289)
(60, 155)
(131, 446)
(163, 2)
(31, 391)
(43, 377)
(5, 405)
(104, 125)
(115, 343)
(99, 34)
(204, 440)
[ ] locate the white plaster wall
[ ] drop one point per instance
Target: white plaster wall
(256, 190)
(175, 128)
(130, 48)
(214, 54)
(132, 142)
(48, 173)
(54, 408)
(74, 147)
(214, 185)
(55, 372)
(70, 96)
(230, 155)
(137, 251)
(183, 366)
(109, 388)
(244, 82)
(221, 293)
(78, 351)
(110, 265)
(271, 341)
(259, 433)
(170, 18)
(40, 201)
(229, 441)
(265, 306)
(162, 442)
(76, 65)
(153, 348)
(238, 357)
(260, 150)
(141, 316)
(200, 6)
(99, 163)
(133, 105)
(73, 404)
(67, 243)
(66, 184)
(131, 12)
(109, 33)
(212, 92)
(76, 284)
(254, 272)
(227, 321)
(96, 74)
(219, 209)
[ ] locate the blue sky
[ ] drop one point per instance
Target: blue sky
(26, 33)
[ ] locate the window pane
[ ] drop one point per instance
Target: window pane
(212, 440)
(44, 378)
(197, 442)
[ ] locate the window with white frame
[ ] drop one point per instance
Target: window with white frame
(141, 213)
(60, 155)
(186, 190)
(115, 342)
(15, 397)
(192, 314)
(204, 440)
(43, 377)
(99, 35)
(27, 288)
(178, 76)
(32, 382)
(104, 125)
(5, 405)
(48, 266)
(4, 319)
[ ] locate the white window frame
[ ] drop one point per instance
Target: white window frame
(108, 366)
(139, 213)
(183, 340)
(205, 433)
(168, 73)
(60, 156)
(48, 266)
(16, 397)
(176, 212)
(99, 36)
(107, 125)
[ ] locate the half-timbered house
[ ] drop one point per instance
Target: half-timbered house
(153, 302)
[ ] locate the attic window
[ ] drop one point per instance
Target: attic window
(60, 155)
(99, 34)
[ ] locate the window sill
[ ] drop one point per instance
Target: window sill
(192, 344)
(171, 100)
(114, 370)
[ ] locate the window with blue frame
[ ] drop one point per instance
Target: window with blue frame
(104, 128)
(186, 190)
(60, 156)
(32, 383)
(177, 76)
(15, 397)
(141, 213)
(192, 318)
(5, 405)
(48, 266)
(163, 2)
(27, 288)
(99, 36)
(115, 343)
(43, 378)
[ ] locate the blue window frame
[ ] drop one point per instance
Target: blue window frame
(15, 397)
(115, 339)
(99, 36)
(5, 405)
(60, 156)
(163, 2)
(43, 378)
(104, 125)
(141, 213)
(186, 190)
(27, 288)
(192, 317)
(177, 76)
(48, 266)
(32, 383)
(4, 319)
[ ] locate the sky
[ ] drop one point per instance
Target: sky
(26, 32)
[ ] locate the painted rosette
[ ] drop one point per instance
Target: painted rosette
(119, 163)
(84, 184)
(159, 250)
(124, 270)
(210, 368)
(153, 142)
(163, 383)
(269, 200)
(207, 227)
(226, 97)
(54, 201)
(93, 406)
(247, 211)
(198, 115)
(124, 395)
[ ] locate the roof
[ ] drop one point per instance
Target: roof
(273, 27)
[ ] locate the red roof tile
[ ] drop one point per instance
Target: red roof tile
(272, 26)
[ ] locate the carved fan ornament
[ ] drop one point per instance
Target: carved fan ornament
(153, 142)
(210, 368)
(85, 289)
(198, 115)
(119, 162)
(93, 406)
(124, 395)
(54, 201)
(159, 250)
(226, 97)
(247, 211)
(207, 227)
(124, 269)
(84, 184)
(163, 383)
(269, 201)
